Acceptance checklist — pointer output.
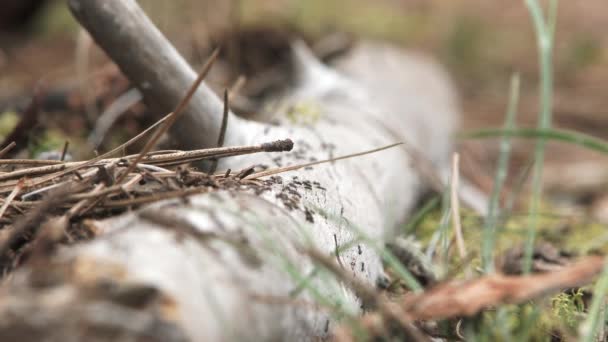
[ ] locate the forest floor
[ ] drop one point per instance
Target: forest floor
(60, 83)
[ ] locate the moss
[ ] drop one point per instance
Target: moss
(507, 323)
(50, 140)
(8, 121)
(583, 51)
(363, 18)
(55, 19)
(464, 43)
(568, 308)
(570, 234)
(304, 113)
(537, 320)
(588, 238)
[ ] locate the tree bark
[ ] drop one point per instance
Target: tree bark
(233, 264)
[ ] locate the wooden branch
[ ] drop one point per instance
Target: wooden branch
(152, 64)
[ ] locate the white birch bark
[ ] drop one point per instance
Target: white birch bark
(226, 264)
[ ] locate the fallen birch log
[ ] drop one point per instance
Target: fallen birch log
(233, 264)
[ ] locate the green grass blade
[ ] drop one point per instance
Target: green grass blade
(438, 245)
(391, 260)
(319, 295)
(589, 327)
(530, 315)
(444, 229)
(516, 191)
(302, 284)
(420, 215)
(561, 135)
(545, 51)
(489, 231)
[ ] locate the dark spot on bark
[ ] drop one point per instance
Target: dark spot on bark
(278, 161)
(130, 295)
(309, 215)
(307, 185)
(318, 185)
(382, 282)
(328, 146)
(276, 179)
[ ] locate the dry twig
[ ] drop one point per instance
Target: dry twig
(11, 197)
(173, 116)
(7, 149)
(278, 170)
(173, 158)
(220, 139)
(462, 251)
(456, 299)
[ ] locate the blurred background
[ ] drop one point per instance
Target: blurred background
(45, 56)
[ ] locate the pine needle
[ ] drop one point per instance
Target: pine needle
(300, 166)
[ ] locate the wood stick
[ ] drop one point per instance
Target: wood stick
(7, 148)
(152, 64)
(180, 157)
